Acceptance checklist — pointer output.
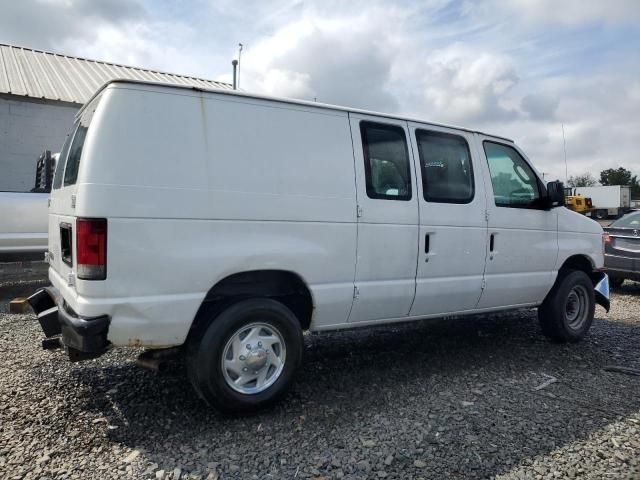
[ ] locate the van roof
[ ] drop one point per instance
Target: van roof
(239, 93)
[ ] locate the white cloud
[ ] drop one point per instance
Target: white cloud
(539, 107)
(356, 55)
(286, 83)
(44, 23)
(518, 68)
(464, 84)
(142, 44)
(572, 12)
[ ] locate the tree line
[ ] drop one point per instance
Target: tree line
(610, 176)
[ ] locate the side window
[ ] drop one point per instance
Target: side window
(386, 161)
(514, 182)
(445, 163)
(75, 152)
(62, 160)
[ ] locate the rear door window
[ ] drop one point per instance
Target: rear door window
(629, 221)
(69, 162)
(59, 171)
(75, 152)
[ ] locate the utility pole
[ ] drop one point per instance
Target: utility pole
(234, 63)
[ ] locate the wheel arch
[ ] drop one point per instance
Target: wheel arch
(283, 285)
(586, 264)
(574, 262)
(578, 262)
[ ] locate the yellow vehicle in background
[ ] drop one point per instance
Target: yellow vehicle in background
(577, 203)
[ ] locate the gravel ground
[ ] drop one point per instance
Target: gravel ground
(438, 399)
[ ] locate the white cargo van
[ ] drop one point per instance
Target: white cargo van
(226, 224)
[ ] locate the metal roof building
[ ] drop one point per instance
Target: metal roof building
(51, 76)
(40, 92)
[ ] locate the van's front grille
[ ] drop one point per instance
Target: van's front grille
(66, 243)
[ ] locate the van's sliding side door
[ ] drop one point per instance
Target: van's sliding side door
(453, 227)
(387, 219)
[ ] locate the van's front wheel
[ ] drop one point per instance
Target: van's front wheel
(567, 312)
(247, 356)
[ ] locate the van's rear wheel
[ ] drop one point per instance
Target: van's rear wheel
(567, 312)
(246, 357)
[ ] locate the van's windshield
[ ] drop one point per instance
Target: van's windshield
(71, 153)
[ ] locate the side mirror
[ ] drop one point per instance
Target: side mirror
(555, 194)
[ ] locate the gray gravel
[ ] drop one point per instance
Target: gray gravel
(439, 399)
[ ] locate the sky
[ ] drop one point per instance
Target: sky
(515, 68)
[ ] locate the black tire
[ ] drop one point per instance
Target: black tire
(206, 346)
(616, 282)
(602, 214)
(555, 313)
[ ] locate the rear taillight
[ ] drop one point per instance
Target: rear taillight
(91, 248)
(606, 240)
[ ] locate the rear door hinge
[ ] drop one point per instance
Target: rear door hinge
(483, 285)
(358, 211)
(356, 292)
(486, 215)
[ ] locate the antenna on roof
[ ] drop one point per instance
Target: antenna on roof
(240, 46)
(566, 167)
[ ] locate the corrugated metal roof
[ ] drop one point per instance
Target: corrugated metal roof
(40, 74)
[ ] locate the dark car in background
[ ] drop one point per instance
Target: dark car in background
(622, 249)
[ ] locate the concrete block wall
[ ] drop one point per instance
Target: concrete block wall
(27, 128)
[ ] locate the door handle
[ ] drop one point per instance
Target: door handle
(492, 244)
(427, 246)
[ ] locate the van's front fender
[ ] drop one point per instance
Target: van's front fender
(601, 289)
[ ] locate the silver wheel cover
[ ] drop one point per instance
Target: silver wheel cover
(253, 358)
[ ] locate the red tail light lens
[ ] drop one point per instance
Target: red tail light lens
(91, 248)
(606, 240)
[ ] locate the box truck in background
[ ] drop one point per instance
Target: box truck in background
(609, 200)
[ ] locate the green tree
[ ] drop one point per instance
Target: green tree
(583, 180)
(621, 176)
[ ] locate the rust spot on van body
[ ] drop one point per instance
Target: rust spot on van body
(137, 342)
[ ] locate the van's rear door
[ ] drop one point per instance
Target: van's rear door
(62, 219)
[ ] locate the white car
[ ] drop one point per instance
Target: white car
(24, 215)
(227, 223)
(23, 223)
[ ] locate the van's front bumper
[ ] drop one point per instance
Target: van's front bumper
(601, 289)
(83, 338)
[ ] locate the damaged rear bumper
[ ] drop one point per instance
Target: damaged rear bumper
(82, 338)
